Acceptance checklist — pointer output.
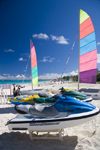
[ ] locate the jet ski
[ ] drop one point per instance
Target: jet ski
(76, 94)
(66, 112)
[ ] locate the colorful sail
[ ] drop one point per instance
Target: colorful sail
(88, 50)
(34, 65)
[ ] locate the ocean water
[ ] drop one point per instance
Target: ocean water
(20, 81)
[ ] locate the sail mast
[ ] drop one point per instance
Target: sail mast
(79, 53)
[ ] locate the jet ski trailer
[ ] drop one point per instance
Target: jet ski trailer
(65, 112)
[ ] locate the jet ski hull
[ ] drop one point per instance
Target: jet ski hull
(61, 121)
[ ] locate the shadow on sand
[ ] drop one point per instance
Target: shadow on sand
(89, 90)
(7, 110)
(17, 140)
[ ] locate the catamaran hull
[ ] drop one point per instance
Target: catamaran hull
(32, 92)
(50, 124)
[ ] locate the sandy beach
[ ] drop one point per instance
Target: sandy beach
(82, 137)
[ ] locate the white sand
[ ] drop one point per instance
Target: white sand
(82, 137)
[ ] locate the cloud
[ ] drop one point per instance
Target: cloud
(44, 60)
(98, 58)
(49, 76)
(41, 36)
(44, 76)
(73, 73)
(21, 59)
(98, 43)
(9, 50)
(54, 75)
(57, 60)
(47, 59)
(25, 54)
(50, 60)
(6, 74)
(59, 39)
(20, 76)
(17, 77)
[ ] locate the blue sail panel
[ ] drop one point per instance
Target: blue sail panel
(88, 48)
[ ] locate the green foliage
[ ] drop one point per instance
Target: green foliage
(74, 78)
(98, 76)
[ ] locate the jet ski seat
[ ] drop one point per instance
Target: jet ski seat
(46, 99)
(40, 110)
(43, 94)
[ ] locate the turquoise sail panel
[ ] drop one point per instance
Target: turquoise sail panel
(34, 72)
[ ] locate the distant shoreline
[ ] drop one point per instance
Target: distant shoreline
(26, 80)
(20, 81)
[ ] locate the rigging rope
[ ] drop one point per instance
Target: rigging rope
(28, 62)
(26, 67)
(69, 56)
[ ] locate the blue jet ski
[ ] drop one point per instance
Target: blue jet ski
(66, 112)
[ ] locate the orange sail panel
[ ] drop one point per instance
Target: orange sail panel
(34, 66)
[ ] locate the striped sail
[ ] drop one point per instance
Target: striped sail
(88, 50)
(34, 65)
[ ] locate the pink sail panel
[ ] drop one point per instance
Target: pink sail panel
(86, 31)
(91, 65)
(33, 61)
(33, 52)
(33, 56)
(88, 56)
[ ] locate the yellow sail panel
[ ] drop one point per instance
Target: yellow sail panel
(83, 16)
(35, 81)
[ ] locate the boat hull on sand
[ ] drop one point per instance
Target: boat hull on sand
(61, 121)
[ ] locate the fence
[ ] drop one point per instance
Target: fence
(3, 93)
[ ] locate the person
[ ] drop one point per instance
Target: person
(17, 92)
(19, 87)
(14, 89)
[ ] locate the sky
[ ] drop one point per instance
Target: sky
(52, 25)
